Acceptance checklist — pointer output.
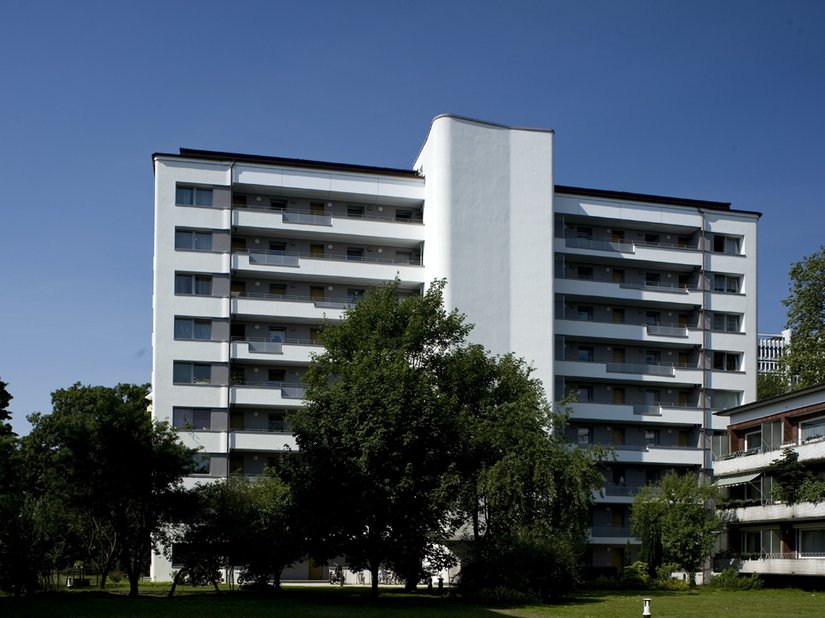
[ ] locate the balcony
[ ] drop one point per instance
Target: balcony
(387, 229)
(261, 441)
(365, 268)
(265, 393)
(661, 412)
(777, 512)
(669, 373)
(300, 308)
(291, 351)
(790, 563)
(650, 253)
(612, 535)
(657, 454)
(659, 293)
(633, 331)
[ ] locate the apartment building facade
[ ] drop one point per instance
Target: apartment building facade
(766, 535)
(642, 305)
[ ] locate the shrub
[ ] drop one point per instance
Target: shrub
(635, 576)
(502, 595)
(730, 579)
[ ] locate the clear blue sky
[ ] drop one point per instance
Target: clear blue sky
(718, 100)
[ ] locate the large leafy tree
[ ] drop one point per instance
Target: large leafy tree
(804, 359)
(377, 438)
(525, 491)
(100, 460)
(11, 501)
(677, 522)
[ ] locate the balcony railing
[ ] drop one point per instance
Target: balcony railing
(654, 369)
(606, 531)
(599, 245)
(265, 346)
(289, 390)
(639, 407)
(614, 490)
(291, 258)
(638, 285)
(653, 328)
(297, 215)
(588, 243)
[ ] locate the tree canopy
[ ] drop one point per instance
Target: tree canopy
(804, 360)
(677, 522)
(100, 467)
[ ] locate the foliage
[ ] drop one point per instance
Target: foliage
(804, 359)
(377, 437)
(771, 385)
(502, 595)
(677, 517)
(793, 481)
(635, 575)
(101, 474)
(730, 579)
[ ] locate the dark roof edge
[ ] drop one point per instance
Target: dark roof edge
(652, 199)
(212, 155)
(770, 400)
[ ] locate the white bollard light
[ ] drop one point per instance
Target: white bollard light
(646, 609)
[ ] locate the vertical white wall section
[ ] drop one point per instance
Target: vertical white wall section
(489, 231)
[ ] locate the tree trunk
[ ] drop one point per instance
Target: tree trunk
(374, 582)
(175, 581)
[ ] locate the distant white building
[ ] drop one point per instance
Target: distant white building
(643, 305)
(770, 349)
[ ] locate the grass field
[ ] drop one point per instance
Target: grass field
(352, 602)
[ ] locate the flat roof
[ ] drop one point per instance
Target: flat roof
(212, 155)
(770, 400)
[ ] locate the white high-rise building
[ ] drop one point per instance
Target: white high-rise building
(645, 306)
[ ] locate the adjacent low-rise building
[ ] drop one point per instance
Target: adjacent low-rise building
(767, 535)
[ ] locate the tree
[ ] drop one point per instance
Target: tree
(770, 385)
(11, 501)
(676, 520)
(101, 459)
(804, 359)
(793, 482)
(525, 491)
(377, 438)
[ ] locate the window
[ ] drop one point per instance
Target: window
(190, 328)
(315, 335)
(618, 435)
(193, 196)
(317, 208)
(355, 294)
(652, 239)
(403, 215)
(618, 315)
(201, 461)
(652, 318)
(277, 247)
(239, 201)
(276, 422)
(355, 212)
(652, 278)
(651, 437)
(191, 373)
(585, 436)
(584, 354)
(584, 313)
(653, 357)
(684, 281)
(403, 257)
(316, 251)
(197, 285)
(726, 322)
(355, 254)
(195, 241)
(725, 244)
(277, 334)
(721, 400)
(726, 283)
(618, 275)
(238, 244)
(585, 233)
(237, 331)
(584, 394)
(753, 439)
(317, 293)
(652, 397)
(277, 204)
(585, 273)
(277, 289)
(191, 418)
(276, 375)
(725, 361)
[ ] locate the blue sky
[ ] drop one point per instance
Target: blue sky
(702, 99)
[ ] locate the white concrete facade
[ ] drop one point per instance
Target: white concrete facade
(253, 254)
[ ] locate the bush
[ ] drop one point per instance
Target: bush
(672, 584)
(730, 579)
(502, 595)
(635, 576)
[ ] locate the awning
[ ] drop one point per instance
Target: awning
(730, 481)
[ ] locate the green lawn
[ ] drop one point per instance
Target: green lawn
(352, 602)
